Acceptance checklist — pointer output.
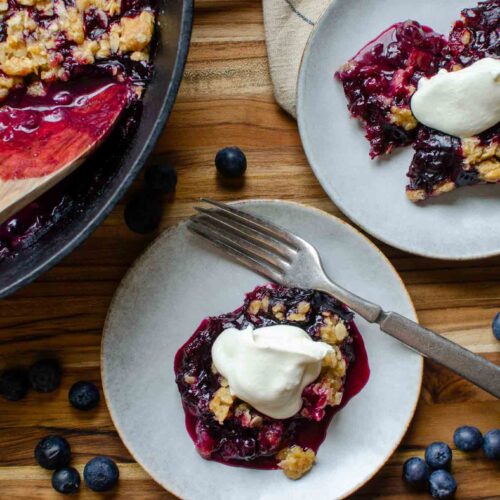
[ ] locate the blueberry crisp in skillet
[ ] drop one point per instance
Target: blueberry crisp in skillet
(412, 86)
(260, 385)
(43, 41)
(60, 59)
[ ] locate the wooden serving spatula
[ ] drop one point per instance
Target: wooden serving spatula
(42, 140)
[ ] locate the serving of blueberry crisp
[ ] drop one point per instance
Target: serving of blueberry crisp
(413, 86)
(260, 385)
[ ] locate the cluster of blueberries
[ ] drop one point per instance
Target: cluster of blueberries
(53, 452)
(144, 211)
(45, 376)
(433, 473)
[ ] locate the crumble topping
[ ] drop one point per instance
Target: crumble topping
(476, 152)
(446, 187)
(136, 32)
(466, 37)
(247, 417)
(43, 50)
(483, 157)
(278, 311)
(333, 330)
(295, 461)
(221, 403)
(403, 117)
(254, 307)
(300, 313)
(416, 195)
(489, 170)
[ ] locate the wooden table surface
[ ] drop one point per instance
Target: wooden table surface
(226, 99)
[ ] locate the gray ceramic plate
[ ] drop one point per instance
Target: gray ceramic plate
(179, 281)
(460, 225)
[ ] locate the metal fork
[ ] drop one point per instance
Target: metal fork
(291, 261)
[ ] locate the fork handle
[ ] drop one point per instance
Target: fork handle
(465, 363)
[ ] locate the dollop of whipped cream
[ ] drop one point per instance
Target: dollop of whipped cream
(461, 103)
(269, 367)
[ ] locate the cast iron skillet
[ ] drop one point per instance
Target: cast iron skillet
(114, 176)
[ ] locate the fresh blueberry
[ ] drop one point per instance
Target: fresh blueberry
(491, 444)
(14, 384)
(496, 326)
(162, 178)
(45, 375)
(438, 455)
(442, 484)
(416, 472)
(143, 212)
(66, 480)
(468, 438)
(84, 395)
(231, 162)
(53, 452)
(101, 474)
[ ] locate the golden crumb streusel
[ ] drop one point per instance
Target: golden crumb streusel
(485, 158)
(31, 51)
(221, 403)
(403, 117)
(295, 461)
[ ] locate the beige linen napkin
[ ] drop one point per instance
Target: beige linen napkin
(288, 24)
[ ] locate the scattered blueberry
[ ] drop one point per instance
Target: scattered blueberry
(45, 375)
(491, 444)
(231, 162)
(143, 212)
(84, 395)
(66, 480)
(438, 455)
(468, 438)
(442, 484)
(162, 178)
(416, 472)
(101, 474)
(14, 384)
(53, 452)
(496, 326)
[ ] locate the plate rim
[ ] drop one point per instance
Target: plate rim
(308, 150)
(164, 234)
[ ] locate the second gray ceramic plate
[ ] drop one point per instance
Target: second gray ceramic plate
(180, 280)
(461, 225)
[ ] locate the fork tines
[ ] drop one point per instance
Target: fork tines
(263, 247)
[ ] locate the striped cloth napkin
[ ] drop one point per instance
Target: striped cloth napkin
(288, 24)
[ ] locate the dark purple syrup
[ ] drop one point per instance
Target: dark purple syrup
(39, 135)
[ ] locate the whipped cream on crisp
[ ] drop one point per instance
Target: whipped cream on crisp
(269, 367)
(461, 103)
